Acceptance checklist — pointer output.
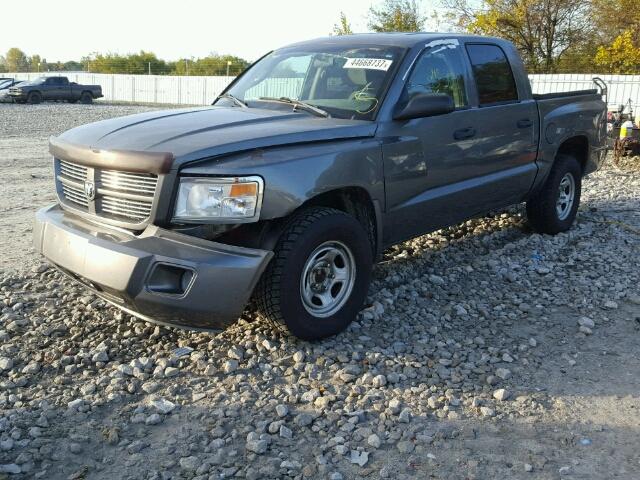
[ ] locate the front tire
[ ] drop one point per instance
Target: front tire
(34, 98)
(318, 279)
(553, 209)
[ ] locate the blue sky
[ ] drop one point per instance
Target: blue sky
(174, 29)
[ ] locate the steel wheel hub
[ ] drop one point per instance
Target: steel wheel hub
(566, 195)
(327, 279)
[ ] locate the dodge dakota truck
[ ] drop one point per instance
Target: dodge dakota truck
(58, 89)
(320, 155)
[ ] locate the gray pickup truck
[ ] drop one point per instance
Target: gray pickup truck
(314, 160)
(58, 89)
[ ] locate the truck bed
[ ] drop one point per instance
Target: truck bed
(572, 93)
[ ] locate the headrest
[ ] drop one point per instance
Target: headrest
(357, 75)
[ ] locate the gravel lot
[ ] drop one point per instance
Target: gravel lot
(485, 352)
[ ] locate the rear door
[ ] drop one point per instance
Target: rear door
(505, 123)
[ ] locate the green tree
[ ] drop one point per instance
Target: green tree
(72, 66)
(544, 31)
(397, 16)
(135, 63)
(343, 27)
(16, 60)
(35, 63)
(213, 64)
(614, 18)
(622, 56)
(618, 30)
(3, 64)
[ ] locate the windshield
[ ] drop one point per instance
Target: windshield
(36, 81)
(346, 82)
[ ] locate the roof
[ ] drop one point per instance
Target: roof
(398, 39)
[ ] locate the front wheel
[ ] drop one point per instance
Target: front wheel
(34, 98)
(319, 276)
(553, 209)
(86, 98)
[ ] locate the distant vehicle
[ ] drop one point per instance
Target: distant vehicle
(5, 84)
(8, 82)
(56, 89)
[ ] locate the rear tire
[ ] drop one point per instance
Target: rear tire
(319, 277)
(553, 209)
(86, 98)
(34, 98)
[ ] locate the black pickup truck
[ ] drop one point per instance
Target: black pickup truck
(56, 89)
(182, 216)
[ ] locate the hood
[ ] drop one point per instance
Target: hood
(196, 133)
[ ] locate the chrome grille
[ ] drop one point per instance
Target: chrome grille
(75, 195)
(124, 197)
(142, 183)
(133, 209)
(74, 172)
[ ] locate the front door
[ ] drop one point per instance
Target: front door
(425, 156)
(52, 89)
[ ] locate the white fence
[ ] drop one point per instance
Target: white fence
(622, 88)
(202, 90)
(146, 88)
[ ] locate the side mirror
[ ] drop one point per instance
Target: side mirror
(425, 105)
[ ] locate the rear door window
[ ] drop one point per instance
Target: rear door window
(493, 75)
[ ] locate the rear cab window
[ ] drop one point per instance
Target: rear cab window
(493, 75)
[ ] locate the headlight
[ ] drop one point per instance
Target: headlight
(219, 199)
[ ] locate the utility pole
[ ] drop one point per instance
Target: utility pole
(228, 65)
(149, 68)
(186, 65)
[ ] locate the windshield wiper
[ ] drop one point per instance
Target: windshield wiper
(298, 104)
(235, 100)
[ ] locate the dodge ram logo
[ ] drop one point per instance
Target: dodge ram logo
(89, 190)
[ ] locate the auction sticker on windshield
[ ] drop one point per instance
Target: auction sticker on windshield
(368, 63)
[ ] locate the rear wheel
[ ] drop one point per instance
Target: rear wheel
(553, 209)
(34, 97)
(86, 98)
(318, 279)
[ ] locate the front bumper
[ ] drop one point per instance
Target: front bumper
(159, 275)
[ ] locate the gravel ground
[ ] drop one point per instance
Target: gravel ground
(484, 352)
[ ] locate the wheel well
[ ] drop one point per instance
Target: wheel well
(265, 234)
(355, 201)
(577, 147)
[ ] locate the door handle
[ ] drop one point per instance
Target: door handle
(524, 123)
(464, 133)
